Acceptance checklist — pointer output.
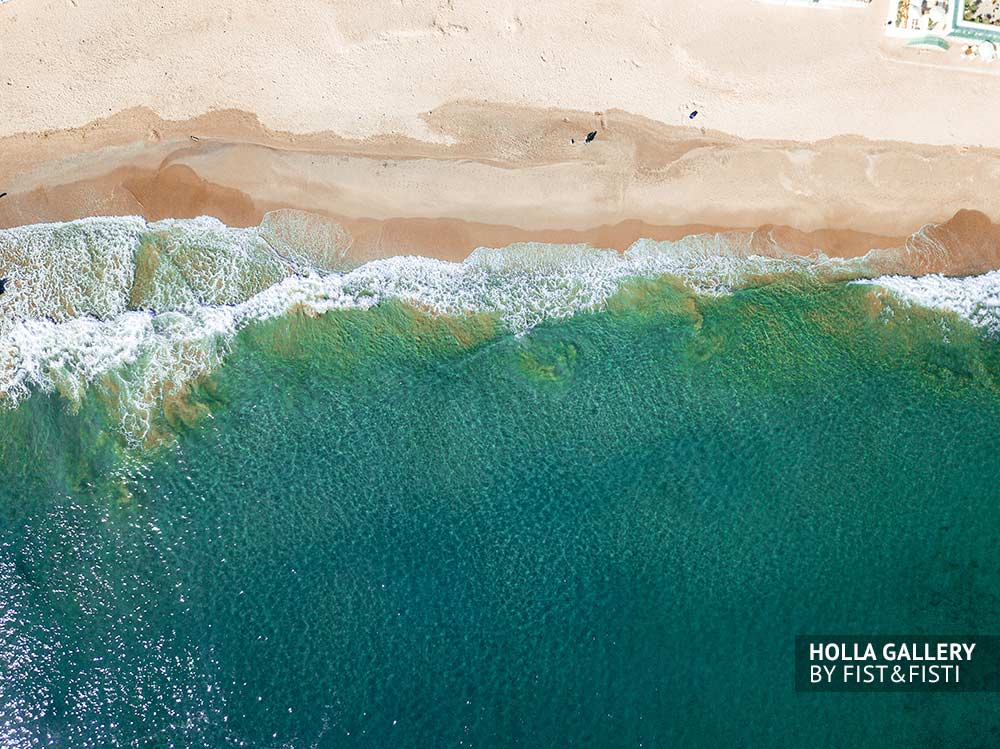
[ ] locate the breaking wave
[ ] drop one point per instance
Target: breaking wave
(974, 298)
(152, 306)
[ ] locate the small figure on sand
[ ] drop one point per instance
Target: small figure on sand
(694, 113)
(591, 136)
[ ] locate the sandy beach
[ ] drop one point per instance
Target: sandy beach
(434, 128)
(499, 373)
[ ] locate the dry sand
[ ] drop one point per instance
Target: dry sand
(361, 69)
(435, 127)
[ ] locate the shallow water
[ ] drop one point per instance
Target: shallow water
(386, 526)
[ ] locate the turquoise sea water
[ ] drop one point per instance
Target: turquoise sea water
(386, 526)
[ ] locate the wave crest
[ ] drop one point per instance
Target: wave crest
(151, 307)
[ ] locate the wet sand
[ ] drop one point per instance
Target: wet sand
(509, 174)
(435, 127)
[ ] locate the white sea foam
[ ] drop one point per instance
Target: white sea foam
(69, 316)
(974, 298)
(101, 267)
(66, 270)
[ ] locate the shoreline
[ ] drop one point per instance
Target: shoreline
(511, 175)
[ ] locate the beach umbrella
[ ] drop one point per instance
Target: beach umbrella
(987, 51)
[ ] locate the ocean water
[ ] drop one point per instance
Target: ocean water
(253, 496)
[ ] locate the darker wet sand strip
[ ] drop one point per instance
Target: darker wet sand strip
(512, 174)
